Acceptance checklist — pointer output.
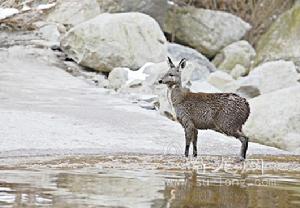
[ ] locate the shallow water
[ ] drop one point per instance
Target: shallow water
(54, 184)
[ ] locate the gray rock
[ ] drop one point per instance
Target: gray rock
(275, 119)
(239, 71)
(205, 30)
(282, 40)
(50, 32)
(116, 40)
(198, 66)
(203, 86)
(240, 52)
(177, 52)
(117, 78)
(73, 12)
(155, 8)
(219, 79)
(268, 77)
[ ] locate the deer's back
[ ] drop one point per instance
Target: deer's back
(219, 111)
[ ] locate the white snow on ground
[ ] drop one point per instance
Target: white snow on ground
(7, 12)
(138, 75)
(44, 110)
(45, 6)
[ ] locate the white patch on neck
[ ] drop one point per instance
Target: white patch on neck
(169, 92)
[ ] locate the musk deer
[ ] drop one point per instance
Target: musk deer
(222, 112)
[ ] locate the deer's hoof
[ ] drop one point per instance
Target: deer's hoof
(241, 159)
(195, 155)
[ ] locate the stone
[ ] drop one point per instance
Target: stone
(240, 52)
(154, 8)
(275, 119)
(117, 78)
(205, 30)
(239, 71)
(177, 52)
(266, 78)
(282, 40)
(73, 12)
(116, 40)
(219, 79)
(50, 32)
(203, 86)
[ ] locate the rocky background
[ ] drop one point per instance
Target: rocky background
(251, 48)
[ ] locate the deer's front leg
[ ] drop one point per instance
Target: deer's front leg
(190, 135)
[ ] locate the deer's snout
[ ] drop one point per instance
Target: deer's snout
(160, 81)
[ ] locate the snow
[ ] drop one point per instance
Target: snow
(45, 6)
(25, 8)
(138, 75)
(7, 12)
(46, 111)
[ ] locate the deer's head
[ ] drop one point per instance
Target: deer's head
(173, 76)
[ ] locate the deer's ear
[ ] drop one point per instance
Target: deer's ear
(182, 63)
(170, 63)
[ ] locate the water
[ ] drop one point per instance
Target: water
(95, 182)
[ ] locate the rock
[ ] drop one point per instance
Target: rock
(50, 32)
(205, 30)
(240, 52)
(198, 66)
(154, 8)
(193, 72)
(282, 40)
(117, 78)
(275, 119)
(203, 86)
(219, 79)
(73, 12)
(178, 52)
(101, 81)
(239, 71)
(268, 77)
(116, 40)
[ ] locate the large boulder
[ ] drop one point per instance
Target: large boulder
(282, 40)
(240, 52)
(275, 119)
(155, 8)
(73, 12)
(116, 40)
(205, 30)
(268, 77)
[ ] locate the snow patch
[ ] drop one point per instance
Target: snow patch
(138, 75)
(45, 6)
(7, 12)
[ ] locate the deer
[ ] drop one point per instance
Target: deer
(222, 112)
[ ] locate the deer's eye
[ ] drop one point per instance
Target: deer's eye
(171, 75)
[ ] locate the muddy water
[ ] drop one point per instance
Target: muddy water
(151, 181)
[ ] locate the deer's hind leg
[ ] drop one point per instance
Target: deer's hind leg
(244, 140)
(195, 137)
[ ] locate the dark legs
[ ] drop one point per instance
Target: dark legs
(244, 147)
(195, 142)
(191, 135)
